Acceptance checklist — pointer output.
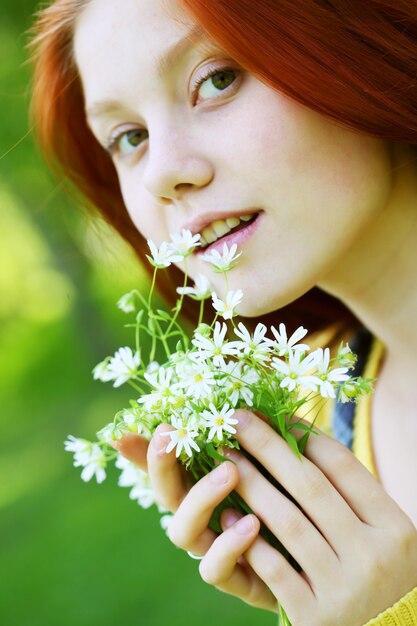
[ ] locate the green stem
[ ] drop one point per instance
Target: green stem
(152, 288)
(141, 298)
(200, 315)
(180, 301)
(282, 617)
(227, 283)
(135, 386)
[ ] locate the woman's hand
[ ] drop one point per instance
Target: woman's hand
(174, 491)
(356, 548)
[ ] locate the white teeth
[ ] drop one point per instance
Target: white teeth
(232, 222)
(208, 235)
(219, 228)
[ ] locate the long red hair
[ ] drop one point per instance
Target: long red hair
(355, 62)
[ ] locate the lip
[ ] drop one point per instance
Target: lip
(239, 237)
(202, 221)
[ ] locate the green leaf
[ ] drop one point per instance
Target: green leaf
(211, 451)
(293, 443)
(163, 315)
(282, 424)
(303, 442)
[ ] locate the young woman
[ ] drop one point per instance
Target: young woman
(298, 118)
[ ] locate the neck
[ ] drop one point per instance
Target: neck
(377, 279)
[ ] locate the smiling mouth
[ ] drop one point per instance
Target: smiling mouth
(222, 229)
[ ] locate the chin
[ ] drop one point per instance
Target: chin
(255, 303)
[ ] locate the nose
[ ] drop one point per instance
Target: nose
(175, 165)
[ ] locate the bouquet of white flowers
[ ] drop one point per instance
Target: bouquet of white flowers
(200, 384)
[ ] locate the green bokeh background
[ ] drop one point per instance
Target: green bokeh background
(70, 553)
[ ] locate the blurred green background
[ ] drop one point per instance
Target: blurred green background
(71, 553)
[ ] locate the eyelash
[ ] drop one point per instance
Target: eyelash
(113, 144)
(213, 72)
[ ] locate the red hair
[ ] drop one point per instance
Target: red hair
(355, 62)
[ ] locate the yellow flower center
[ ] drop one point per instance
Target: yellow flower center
(198, 378)
(219, 421)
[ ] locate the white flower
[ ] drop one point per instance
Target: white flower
(133, 476)
(295, 372)
(123, 366)
(101, 371)
(182, 437)
(227, 308)
(219, 421)
(200, 291)
(237, 383)
(283, 345)
(215, 348)
(164, 256)
(256, 345)
(197, 380)
(152, 367)
(80, 447)
(89, 456)
(222, 262)
(328, 377)
(165, 521)
(184, 243)
(164, 390)
(112, 431)
(127, 302)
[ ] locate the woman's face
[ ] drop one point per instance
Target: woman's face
(189, 156)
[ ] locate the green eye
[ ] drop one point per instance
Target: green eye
(210, 85)
(128, 141)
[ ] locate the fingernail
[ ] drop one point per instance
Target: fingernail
(243, 418)
(159, 443)
(245, 526)
(220, 475)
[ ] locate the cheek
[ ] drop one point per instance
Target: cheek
(146, 215)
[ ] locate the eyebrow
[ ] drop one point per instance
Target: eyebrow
(163, 64)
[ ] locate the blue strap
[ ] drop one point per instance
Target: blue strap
(343, 414)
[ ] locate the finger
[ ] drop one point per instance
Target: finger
(168, 478)
(360, 489)
(189, 526)
(285, 520)
(302, 478)
(289, 587)
(220, 568)
(134, 448)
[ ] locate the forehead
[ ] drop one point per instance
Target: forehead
(110, 37)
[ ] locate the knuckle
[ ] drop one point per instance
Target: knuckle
(262, 436)
(273, 571)
(293, 524)
(310, 482)
(344, 460)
